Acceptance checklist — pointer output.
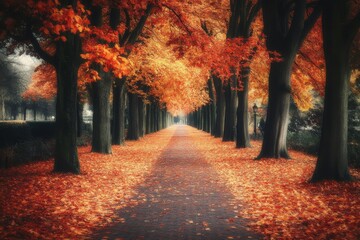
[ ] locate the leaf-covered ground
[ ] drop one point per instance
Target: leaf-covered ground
(278, 197)
(273, 194)
(38, 204)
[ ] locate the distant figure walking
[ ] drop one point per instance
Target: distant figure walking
(262, 126)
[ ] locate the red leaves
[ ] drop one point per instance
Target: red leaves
(279, 200)
(38, 204)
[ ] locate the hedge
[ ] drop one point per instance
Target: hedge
(14, 132)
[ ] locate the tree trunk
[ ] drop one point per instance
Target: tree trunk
(133, 128)
(212, 108)
(242, 124)
(67, 66)
(160, 118)
(207, 118)
(119, 99)
(101, 137)
(230, 110)
(332, 162)
(141, 117)
(286, 40)
(148, 128)
(220, 108)
(80, 120)
(274, 143)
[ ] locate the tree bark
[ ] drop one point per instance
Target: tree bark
(133, 128)
(230, 110)
(119, 99)
(101, 137)
(141, 117)
(220, 108)
(285, 39)
(67, 66)
(242, 124)
(148, 128)
(274, 143)
(80, 120)
(212, 108)
(332, 162)
(160, 118)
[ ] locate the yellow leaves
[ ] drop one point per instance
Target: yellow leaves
(175, 82)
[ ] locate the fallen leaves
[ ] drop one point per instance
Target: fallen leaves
(273, 194)
(38, 204)
(277, 196)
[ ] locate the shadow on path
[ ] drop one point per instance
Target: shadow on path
(181, 199)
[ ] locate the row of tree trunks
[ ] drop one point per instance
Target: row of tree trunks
(339, 32)
(149, 118)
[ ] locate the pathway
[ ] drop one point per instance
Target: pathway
(181, 199)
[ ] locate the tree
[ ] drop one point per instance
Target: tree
(107, 59)
(284, 38)
(340, 24)
(134, 20)
(243, 14)
(54, 31)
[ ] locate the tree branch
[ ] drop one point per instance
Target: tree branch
(254, 11)
(231, 31)
(297, 23)
(178, 17)
(126, 35)
(310, 22)
(137, 30)
(206, 29)
(35, 43)
(252, 14)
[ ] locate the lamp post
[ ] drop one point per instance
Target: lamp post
(255, 108)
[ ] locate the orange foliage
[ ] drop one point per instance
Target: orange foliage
(38, 204)
(308, 75)
(43, 83)
(277, 197)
